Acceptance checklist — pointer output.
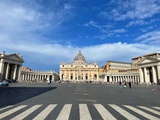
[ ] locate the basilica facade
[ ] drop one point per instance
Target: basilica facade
(79, 70)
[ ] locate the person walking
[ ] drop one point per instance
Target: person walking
(120, 85)
(129, 84)
(125, 84)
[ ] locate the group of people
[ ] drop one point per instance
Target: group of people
(125, 84)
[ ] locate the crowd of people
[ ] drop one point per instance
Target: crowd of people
(124, 85)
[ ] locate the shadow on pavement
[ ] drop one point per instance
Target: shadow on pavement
(13, 95)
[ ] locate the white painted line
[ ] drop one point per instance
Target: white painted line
(6, 107)
(84, 112)
(124, 112)
(45, 112)
(158, 108)
(150, 110)
(87, 100)
(2, 115)
(26, 113)
(106, 115)
(82, 93)
(65, 112)
(146, 115)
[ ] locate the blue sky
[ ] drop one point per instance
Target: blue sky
(48, 32)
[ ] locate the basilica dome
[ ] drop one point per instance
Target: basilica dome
(79, 58)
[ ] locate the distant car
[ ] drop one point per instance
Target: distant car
(4, 83)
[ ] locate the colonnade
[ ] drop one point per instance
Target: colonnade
(123, 77)
(39, 76)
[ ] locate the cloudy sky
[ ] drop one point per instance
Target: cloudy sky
(48, 32)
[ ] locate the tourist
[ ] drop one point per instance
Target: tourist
(129, 84)
(120, 85)
(125, 84)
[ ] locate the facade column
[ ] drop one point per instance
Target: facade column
(1, 69)
(74, 75)
(53, 79)
(158, 71)
(154, 74)
(69, 75)
(110, 78)
(105, 78)
(146, 75)
(14, 73)
(141, 75)
(19, 73)
(65, 75)
(7, 70)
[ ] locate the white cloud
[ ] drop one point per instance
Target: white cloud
(141, 22)
(150, 37)
(120, 31)
(132, 9)
(51, 55)
(106, 30)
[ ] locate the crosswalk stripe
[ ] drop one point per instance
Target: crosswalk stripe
(45, 112)
(84, 112)
(11, 111)
(158, 108)
(26, 113)
(150, 110)
(65, 112)
(146, 115)
(6, 107)
(124, 112)
(105, 114)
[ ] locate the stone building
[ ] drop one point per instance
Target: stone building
(10, 66)
(29, 75)
(143, 69)
(149, 67)
(79, 70)
(116, 66)
(115, 71)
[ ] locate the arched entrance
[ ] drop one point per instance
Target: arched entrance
(62, 76)
(95, 77)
